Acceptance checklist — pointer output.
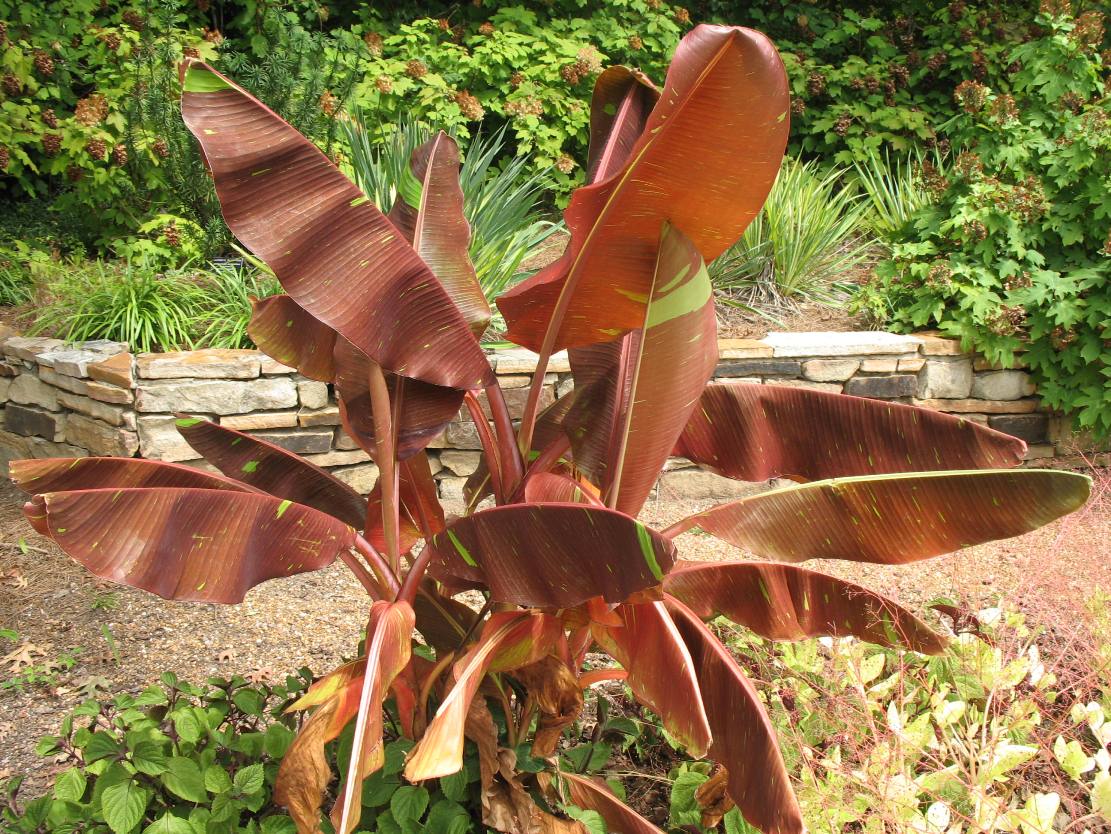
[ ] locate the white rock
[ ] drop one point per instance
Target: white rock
(217, 396)
(822, 343)
(945, 377)
(1002, 385)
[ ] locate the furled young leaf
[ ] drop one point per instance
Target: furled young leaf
(509, 640)
(744, 740)
(555, 555)
(661, 674)
(58, 474)
(619, 108)
(893, 519)
(389, 643)
(708, 156)
(195, 544)
(287, 332)
(785, 602)
(423, 413)
(756, 432)
(272, 469)
(649, 391)
(333, 251)
(437, 228)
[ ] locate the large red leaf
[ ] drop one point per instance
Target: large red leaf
(594, 795)
(893, 519)
(755, 432)
(58, 474)
(661, 673)
(435, 225)
(556, 555)
(272, 469)
(284, 330)
(195, 544)
(304, 772)
(745, 742)
(424, 411)
(333, 251)
(785, 602)
(622, 101)
(389, 644)
(509, 640)
(707, 158)
(644, 399)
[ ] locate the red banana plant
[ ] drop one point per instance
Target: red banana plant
(388, 309)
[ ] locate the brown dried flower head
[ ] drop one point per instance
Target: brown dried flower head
(682, 16)
(49, 118)
(135, 20)
(971, 96)
(384, 84)
(635, 43)
(160, 148)
(91, 110)
(328, 103)
(96, 148)
(469, 106)
(416, 69)
(486, 29)
(119, 154)
(565, 164)
(373, 43)
(51, 144)
(44, 64)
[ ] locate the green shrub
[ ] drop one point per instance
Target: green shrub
(124, 302)
(501, 202)
(808, 235)
(175, 759)
(985, 737)
(1015, 254)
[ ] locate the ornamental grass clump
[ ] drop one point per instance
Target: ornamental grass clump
(387, 308)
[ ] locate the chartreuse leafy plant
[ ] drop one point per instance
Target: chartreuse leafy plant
(389, 308)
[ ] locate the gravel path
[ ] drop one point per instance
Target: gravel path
(314, 619)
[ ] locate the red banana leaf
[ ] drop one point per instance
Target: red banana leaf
(437, 228)
(745, 741)
(755, 432)
(661, 674)
(659, 373)
(594, 795)
(551, 555)
(287, 332)
(509, 640)
(549, 488)
(59, 474)
(422, 515)
(785, 602)
(893, 519)
(272, 469)
(706, 160)
(424, 412)
(619, 109)
(193, 544)
(333, 251)
(442, 621)
(389, 644)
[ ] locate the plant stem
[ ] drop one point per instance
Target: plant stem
(409, 587)
(512, 464)
(543, 462)
(386, 448)
(386, 577)
(493, 454)
(366, 579)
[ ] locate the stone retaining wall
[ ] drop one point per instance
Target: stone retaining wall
(97, 398)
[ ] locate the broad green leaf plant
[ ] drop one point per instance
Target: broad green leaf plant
(389, 310)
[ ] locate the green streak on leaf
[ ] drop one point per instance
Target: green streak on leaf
(461, 550)
(282, 507)
(644, 539)
(250, 466)
(186, 422)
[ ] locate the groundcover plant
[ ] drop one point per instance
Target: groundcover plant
(388, 309)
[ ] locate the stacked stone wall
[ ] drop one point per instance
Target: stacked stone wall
(97, 398)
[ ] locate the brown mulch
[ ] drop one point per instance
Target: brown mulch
(314, 619)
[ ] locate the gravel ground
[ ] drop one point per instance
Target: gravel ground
(314, 619)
